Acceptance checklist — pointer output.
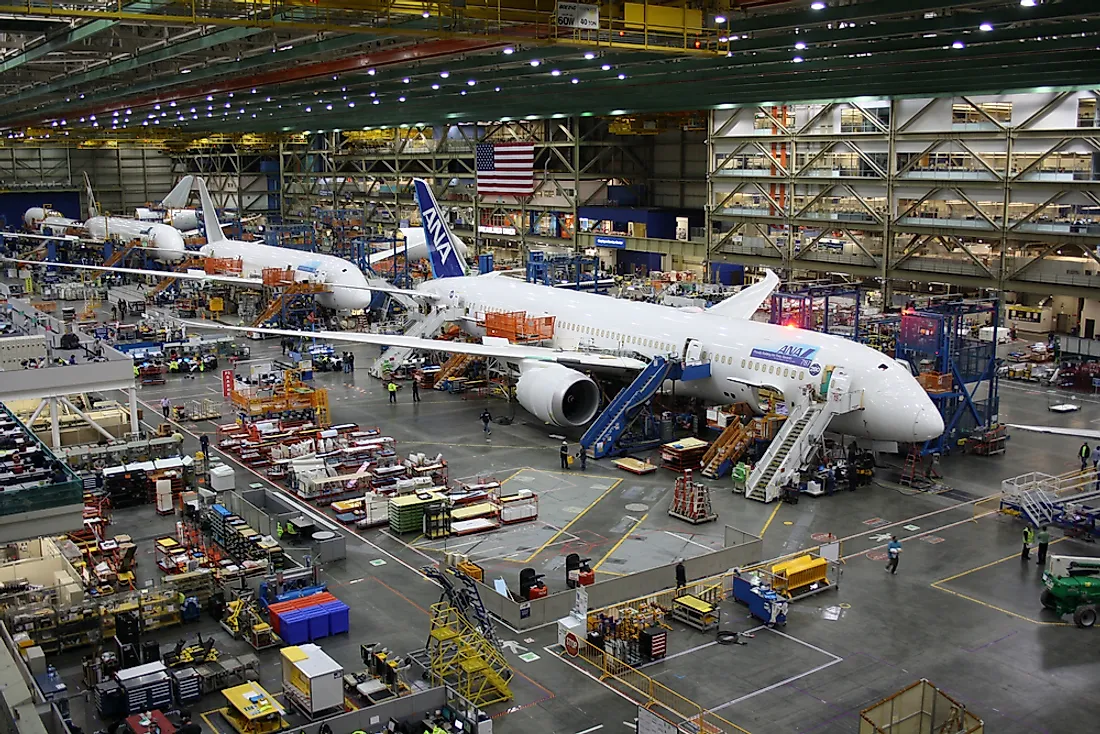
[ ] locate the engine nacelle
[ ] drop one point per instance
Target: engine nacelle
(557, 394)
(185, 220)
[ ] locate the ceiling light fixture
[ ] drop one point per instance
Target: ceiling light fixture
(435, 86)
(606, 67)
(574, 80)
(400, 99)
(534, 62)
(370, 72)
(985, 27)
(555, 72)
(444, 74)
(508, 51)
(471, 82)
(405, 80)
(817, 6)
(588, 55)
(800, 46)
(1027, 3)
(719, 19)
(797, 59)
(958, 44)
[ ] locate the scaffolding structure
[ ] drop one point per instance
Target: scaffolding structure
(955, 366)
(827, 308)
(287, 397)
(461, 657)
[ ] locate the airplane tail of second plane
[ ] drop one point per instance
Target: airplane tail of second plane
(444, 249)
(209, 214)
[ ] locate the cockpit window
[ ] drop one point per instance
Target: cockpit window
(884, 366)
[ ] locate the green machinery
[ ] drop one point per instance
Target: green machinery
(1073, 586)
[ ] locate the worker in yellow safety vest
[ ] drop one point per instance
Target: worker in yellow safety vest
(392, 388)
(279, 530)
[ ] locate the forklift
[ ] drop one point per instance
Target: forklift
(1072, 587)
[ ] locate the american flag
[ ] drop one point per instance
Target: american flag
(505, 169)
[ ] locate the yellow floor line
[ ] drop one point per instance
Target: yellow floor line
(613, 573)
(568, 525)
(987, 605)
(772, 517)
(616, 546)
(936, 585)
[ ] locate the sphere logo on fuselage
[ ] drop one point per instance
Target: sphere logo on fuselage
(815, 369)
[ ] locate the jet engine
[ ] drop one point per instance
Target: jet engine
(557, 394)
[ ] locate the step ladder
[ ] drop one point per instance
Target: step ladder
(424, 327)
(602, 437)
(466, 600)
(726, 450)
(453, 367)
(691, 501)
(797, 441)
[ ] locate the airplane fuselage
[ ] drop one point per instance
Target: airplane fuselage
(166, 242)
(743, 354)
(329, 269)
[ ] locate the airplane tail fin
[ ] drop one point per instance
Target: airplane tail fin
(209, 215)
(444, 249)
(177, 197)
(93, 210)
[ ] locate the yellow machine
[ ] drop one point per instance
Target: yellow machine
(798, 574)
(252, 710)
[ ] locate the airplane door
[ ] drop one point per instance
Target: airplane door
(693, 351)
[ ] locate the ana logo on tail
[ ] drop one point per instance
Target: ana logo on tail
(443, 255)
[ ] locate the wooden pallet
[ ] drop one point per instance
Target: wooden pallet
(634, 466)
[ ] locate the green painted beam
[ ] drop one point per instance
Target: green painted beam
(1072, 70)
(309, 51)
(226, 35)
(62, 41)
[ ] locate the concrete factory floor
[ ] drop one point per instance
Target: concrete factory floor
(963, 610)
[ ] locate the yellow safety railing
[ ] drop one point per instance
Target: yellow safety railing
(651, 694)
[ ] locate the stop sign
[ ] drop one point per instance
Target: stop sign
(572, 644)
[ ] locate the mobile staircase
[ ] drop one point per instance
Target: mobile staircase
(797, 441)
(287, 296)
(463, 649)
(625, 424)
(120, 253)
(733, 442)
(424, 328)
(1046, 499)
(168, 282)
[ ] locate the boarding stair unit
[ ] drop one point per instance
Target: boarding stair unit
(730, 446)
(455, 365)
(1043, 499)
(287, 294)
(168, 282)
(614, 432)
(797, 441)
(424, 328)
(120, 253)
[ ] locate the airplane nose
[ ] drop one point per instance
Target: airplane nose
(927, 425)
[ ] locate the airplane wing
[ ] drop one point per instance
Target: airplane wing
(214, 278)
(743, 304)
(492, 346)
(27, 236)
(1087, 433)
(185, 275)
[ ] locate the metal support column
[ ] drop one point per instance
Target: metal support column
(575, 123)
(55, 425)
(135, 425)
(891, 208)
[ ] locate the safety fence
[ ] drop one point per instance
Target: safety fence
(653, 695)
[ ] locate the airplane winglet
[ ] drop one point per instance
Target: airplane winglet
(743, 304)
(214, 231)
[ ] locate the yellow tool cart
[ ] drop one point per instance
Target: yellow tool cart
(252, 710)
(694, 612)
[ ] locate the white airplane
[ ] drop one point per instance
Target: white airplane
(745, 356)
(163, 241)
(173, 208)
(347, 288)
